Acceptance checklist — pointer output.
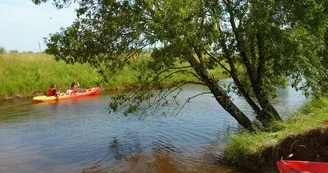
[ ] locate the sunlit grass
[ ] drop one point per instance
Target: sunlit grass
(26, 73)
(32, 73)
(310, 116)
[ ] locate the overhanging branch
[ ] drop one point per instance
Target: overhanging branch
(168, 69)
(190, 98)
(217, 61)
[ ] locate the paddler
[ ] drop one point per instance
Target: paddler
(73, 89)
(52, 91)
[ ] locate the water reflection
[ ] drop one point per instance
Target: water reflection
(80, 136)
(162, 162)
(127, 145)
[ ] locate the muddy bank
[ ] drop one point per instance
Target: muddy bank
(310, 146)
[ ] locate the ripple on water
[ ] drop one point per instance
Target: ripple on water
(80, 136)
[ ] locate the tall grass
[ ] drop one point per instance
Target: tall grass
(32, 73)
(310, 116)
(27, 74)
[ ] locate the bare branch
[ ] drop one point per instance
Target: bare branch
(165, 95)
(170, 68)
(171, 74)
(190, 98)
(150, 85)
(195, 75)
(217, 61)
(194, 82)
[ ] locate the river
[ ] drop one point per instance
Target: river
(81, 136)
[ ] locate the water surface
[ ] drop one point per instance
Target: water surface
(81, 136)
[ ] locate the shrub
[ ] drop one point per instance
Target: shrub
(13, 51)
(2, 50)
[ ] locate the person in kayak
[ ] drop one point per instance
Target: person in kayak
(73, 89)
(52, 91)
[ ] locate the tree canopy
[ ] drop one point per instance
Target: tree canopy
(262, 44)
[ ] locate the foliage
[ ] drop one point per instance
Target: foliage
(2, 50)
(262, 45)
(13, 51)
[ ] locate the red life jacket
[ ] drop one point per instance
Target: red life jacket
(74, 90)
(50, 91)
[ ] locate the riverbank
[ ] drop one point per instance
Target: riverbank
(24, 75)
(304, 136)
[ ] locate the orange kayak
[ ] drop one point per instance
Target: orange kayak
(289, 166)
(92, 91)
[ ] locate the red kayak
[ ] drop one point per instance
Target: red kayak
(92, 91)
(288, 166)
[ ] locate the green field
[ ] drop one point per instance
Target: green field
(29, 74)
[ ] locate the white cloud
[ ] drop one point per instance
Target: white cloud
(24, 24)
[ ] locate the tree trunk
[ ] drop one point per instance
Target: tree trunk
(269, 112)
(241, 88)
(223, 99)
(220, 95)
(261, 95)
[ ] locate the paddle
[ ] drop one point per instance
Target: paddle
(77, 81)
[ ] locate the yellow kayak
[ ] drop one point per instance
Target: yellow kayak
(92, 91)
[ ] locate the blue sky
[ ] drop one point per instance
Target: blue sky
(23, 24)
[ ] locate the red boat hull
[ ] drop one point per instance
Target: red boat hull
(302, 167)
(92, 91)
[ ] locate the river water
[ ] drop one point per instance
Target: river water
(81, 136)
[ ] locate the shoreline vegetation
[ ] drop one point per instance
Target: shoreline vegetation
(24, 75)
(304, 136)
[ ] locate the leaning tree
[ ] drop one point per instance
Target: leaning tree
(261, 44)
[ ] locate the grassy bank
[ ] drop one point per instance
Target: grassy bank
(280, 139)
(27, 74)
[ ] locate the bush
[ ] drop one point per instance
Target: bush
(2, 50)
(13, 51)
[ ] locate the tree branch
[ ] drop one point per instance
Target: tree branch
(252, 52)
(195, 75)
(233, 73)
(200, 57)
(240, 43)
(171, 74)
(190, 98)
(170, 68)
(217, 61)
(162, 97)
(260, 67)
(243, 14)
